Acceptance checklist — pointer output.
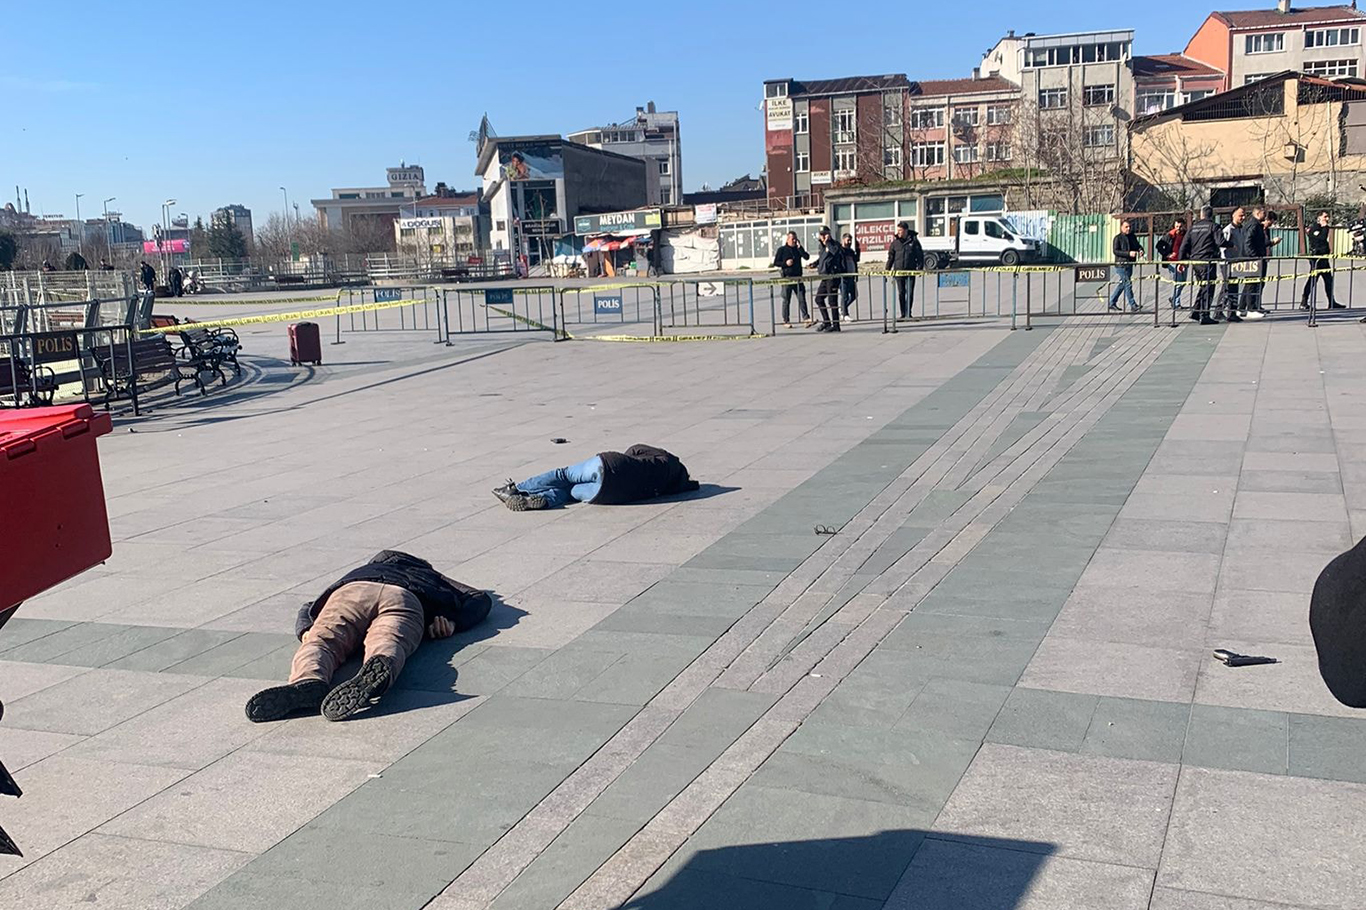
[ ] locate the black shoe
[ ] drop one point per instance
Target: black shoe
(279, 702)
(1337, 306)
(359, 691)
(525, 502)
(507, 491)
(1196, 317)
(834, 327)
(1234, 317)
(1304, 306)
(823, 327)
(1205, 320)
(1114, 306)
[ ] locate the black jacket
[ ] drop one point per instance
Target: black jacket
(851, 259)
(796, 254)
(1202, 243)
(463, 606)
(1124, 245)
(831, 259)
(905, 255)
(1337, 620)
(641, 472)
(1253, 241)
(1320, 240)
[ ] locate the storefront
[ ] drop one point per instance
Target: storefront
(618, 242)
(873, 224)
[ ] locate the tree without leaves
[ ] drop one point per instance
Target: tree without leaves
(8, 250)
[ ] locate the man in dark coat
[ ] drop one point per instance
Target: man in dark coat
(829, 265)
(1337, 620)
(1320, 242)
(788, 259)
(147, 275)
(905, 255)
(1201, 245)
(1126, 251)
(385, 605)
(606, 479)
(849, 283)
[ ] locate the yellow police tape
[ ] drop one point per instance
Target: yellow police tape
(654, 339)
(260, 301)
(281, 317)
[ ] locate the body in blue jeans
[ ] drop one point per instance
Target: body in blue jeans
(1178, 284)
(1125, 286)
(579, 482)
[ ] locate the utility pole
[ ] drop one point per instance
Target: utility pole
(108, 230)
(80, 227)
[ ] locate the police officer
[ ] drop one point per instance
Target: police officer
(1320, 238)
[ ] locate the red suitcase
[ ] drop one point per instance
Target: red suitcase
(305, 343)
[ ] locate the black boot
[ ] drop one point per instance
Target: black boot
(525, 502)
(279, 702)
(507, 490)
(358, 692)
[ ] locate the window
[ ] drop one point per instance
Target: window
(965, 154)
(891, 158)
(844, 127)
(395, 195)
(434, 232)
(927, 154)
(1149, 102)
(348, 195)
(1098, 95)
(664, 167)
(1099, 136)
(1052, 99)
(998, 151)
(1078, 53)
(971, 228)
(994, 230)
(374, 195)
(846, 161)
(803, 162)
(1331, 67)
(1198, 95)
(891, 114)
(966, 116)
(1332, 37)
(1269, 43)
(1256, 77)
(665, 196)
(775, 90)
(801, 122)
(927, 118)
(998, 114)
(406, 232)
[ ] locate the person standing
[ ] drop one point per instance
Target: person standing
(1202, 245)
(905, 255)
(829, 265)
(849, 283)
(1320, 243)
(175, 279)
(788, 259)
(1233, 251)
(1256, 247)
(1170, 249)
(1126, 251)
(147, 275)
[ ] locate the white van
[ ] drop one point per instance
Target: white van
(981, 240)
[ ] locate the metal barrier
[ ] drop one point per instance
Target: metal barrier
(135, 310)
(422, 313)
(71, 355)
(636, 303)
(712, 303)
(498, 310)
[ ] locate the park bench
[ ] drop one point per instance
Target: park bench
(150, 357)
(35, 386)
(218, 345)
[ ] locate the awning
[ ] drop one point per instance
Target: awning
(611, 244)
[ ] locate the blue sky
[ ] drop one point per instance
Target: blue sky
(212, 103)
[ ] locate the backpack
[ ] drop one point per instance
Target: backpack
(1164, 246)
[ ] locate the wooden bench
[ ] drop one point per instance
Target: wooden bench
(151, 356)
(220, 345)
(35, 386)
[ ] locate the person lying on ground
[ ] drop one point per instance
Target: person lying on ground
(1337, 620)
(385, 606)
(608, 478)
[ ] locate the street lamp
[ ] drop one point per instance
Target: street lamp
(108, 231)
(165, 229)
(80, 228)
(286, 192)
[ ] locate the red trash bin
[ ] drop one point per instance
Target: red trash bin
(53, 521)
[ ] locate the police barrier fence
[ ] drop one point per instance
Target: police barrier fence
(415, 309)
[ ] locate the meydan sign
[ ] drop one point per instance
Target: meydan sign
(640, 221)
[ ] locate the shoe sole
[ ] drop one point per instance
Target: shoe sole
(359, 691)
(283, 701)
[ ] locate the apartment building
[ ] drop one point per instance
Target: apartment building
(1164, 81)
(958, 128)
(652, 136)
(1248, 45)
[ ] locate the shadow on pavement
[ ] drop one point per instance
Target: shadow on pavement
(907, 869)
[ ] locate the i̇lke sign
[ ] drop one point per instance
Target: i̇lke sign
(53, 346)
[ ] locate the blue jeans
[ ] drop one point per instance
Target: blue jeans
(579, 482)
(1178, 284)
(1125, 286)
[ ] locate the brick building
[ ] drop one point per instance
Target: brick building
(1247, 45)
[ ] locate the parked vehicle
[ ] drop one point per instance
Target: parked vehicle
(981, 240)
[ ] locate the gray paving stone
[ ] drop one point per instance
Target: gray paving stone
(1088, 807)
(248, 891)
(636, 678)
(956, 707)
(1237, 739)
(168, 652)
(20, 631)
(48, 648)
(970, 648)
(878, 691)
(631, 618)
(1017, 876)
(231, 655)
(651, 781)
(1328, 747)
(96, 700)
(1156, 534)
(690, 888)
(563, 672)
(716, 719)
(1041, 719)
(765, 834)
(562, 867)
(486, 672)
(1284, 840)
(1131, 728)
(274, 664)
(374, 860)
(1173, 899)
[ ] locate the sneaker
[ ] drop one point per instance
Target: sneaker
(507, 490)
(1234, 317)
(359, 691)
(1205, 320)
(1114, 306)
(1304, 306)
(823, 327)
(526, 502)
(834, 327)
(1254, 314)
(1196, 317)
(1337, 306)
(279, 702)
(787, 325)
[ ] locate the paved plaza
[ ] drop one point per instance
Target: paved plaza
(990, 687)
